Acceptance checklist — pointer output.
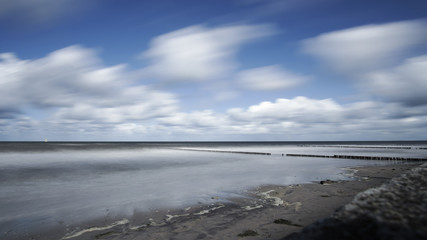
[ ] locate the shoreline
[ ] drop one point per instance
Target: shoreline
(267, 212)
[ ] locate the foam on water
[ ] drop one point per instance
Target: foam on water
(95, 229)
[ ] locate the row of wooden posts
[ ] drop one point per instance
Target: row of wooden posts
(315, 156)
(375, 147)
(358, 157)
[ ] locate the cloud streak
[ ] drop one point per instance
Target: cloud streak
(269, 78)
(367, 47)
(70, 85)
(405, 83)
(198, 53)
(381, 59)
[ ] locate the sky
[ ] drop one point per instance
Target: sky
(213, 70)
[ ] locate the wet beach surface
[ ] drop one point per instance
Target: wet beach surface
(267, 212)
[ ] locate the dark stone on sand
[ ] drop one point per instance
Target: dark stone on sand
(327, 181)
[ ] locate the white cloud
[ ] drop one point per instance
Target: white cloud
(303, 118)
(70, 85)
(197, 119)
(299, 109)
(208, 125)
(269, 78)
(367, 47)
(406, 83)
(69, 93)
(140, 113)
(143, 108)
(379, 58)
(198, 53)
(300, 118)
(55, 80)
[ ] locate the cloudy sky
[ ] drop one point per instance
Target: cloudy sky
(187, 70)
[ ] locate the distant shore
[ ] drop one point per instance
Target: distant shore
(268, 212)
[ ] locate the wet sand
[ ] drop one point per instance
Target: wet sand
(268, 212)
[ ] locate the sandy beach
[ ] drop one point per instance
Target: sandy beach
(268, 212)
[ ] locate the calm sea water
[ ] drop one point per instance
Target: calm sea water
(43, 184)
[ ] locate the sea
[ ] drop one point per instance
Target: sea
(45, 184)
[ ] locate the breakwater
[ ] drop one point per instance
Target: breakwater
(357, 157)
(373, 147)
(222, 151)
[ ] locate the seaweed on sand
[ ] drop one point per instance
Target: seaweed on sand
(286, 222)
(247, 233)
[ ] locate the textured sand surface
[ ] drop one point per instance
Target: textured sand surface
(395, 210)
